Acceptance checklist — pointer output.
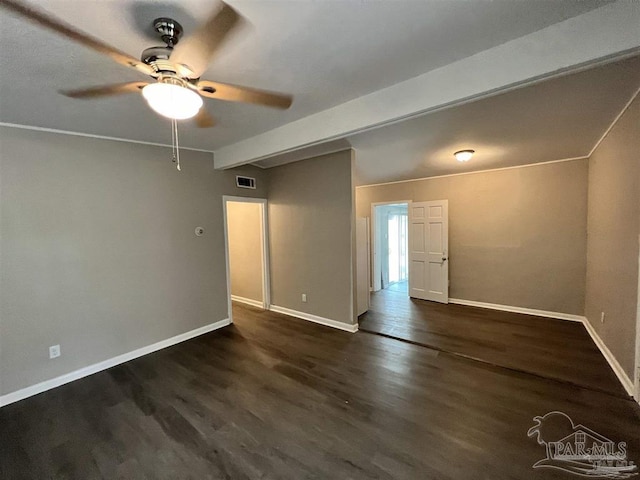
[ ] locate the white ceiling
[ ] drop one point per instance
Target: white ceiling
(556, 119)
(323, 52)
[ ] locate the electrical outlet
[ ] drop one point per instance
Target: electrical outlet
(304, 298)
(601, 317)
(54, 351)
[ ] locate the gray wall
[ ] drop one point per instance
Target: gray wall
(613, 229)
(311, 238)
(98, 251)
(516, 237)
(244, 227)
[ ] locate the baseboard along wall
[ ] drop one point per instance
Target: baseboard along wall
(104, 365)
(509, 308)
(347, 327)
(247, 301)
(613, 362)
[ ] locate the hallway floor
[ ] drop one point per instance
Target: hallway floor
(401, 287)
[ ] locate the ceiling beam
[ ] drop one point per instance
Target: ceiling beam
(608, 32)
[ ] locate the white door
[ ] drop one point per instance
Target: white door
(428, 247)
(362, 265)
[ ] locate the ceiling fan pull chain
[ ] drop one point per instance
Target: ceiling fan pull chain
(173, 143)
(177, 153)
(175, 147)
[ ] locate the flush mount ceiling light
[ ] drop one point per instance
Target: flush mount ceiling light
(172, 101)
(464, 155)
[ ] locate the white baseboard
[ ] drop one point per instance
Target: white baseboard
(314, 318)
(617, 368)
(529, 311)
(111, 362)
(248, 301)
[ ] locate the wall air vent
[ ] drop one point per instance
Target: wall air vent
(245, 182)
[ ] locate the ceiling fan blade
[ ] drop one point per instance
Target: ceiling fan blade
(105, 90)
(70, 32)
(193, 54)
(204, 119)
(236, 93)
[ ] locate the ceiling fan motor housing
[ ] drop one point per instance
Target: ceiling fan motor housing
(158, 57)
(170, 31)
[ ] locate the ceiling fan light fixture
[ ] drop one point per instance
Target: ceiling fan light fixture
(464, 155)
(172, 101)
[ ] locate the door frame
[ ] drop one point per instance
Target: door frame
(636, 371)
(360, 287)
(264, 234)
(376, 267)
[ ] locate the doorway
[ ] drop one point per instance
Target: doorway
(390, 239)
(246, 248)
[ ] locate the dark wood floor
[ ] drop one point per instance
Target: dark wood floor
(275, 397)
(556, 349)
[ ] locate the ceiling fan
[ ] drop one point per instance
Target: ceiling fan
(176, 90)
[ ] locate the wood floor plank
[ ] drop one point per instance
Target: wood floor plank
(547, 347)
(272, 397)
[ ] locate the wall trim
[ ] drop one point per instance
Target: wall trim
(615, 121)
(487, 170)
(105, 364)
(248, 301)
(529, 311)
(613, 362)
(315, 319)
(92, 135)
